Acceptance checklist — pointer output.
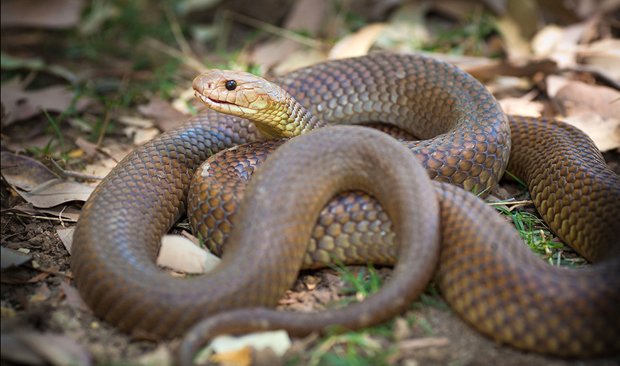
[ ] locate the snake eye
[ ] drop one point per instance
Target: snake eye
(230, 84)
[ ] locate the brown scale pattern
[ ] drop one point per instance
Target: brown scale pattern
(118, 235)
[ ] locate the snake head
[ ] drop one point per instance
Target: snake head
(274, 111)
(238, 93)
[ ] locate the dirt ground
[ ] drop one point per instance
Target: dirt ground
(135, 75)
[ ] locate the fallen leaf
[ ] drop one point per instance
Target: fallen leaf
(560, 44)
(160, 356)
(576, 97)
(181, 254)
(63, 213)
(306, 16)
(136, 122)
(418, 343)
(88, 147)
(515, 43)
(73, 297)
(523, 106)
(41, 294)
(54, 349)
(605, 132)
(12, 258)
(166, 117)
(23, 172)
(238, 357)
(66, 236)
(10, 62)
(56, 192)
(141, 135)
(14, 350)
(358, 43)
(406, 30)
(278, 341)
(603, 56)
(20, 104)
(54, 14)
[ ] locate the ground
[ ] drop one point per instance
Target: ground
(122, 95)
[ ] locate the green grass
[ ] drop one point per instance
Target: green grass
(537, 235)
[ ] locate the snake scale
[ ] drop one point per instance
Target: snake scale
(485, 273)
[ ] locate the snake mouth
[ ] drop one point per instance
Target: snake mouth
(224, 106)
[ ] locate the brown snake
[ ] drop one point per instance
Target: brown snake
(484, 273)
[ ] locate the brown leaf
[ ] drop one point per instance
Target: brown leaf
(20, 104)
(603, 56)
(55, 192)
(181, 254)
(605, 132)
(12, 258)
(88, 147)
(66, 236)
(306, 16)
(576, 97)
(165, 116)
(358, 43)
(73, 297)
(23, 172)
(54, 349)
(68, 213)
(54, 14)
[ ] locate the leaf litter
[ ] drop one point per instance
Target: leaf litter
(310, 33)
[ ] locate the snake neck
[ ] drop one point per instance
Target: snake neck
(288, 119)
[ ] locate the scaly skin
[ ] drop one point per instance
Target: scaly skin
(502, 290)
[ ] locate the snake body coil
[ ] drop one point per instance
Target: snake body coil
(491, 281)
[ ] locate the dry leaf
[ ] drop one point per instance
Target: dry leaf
(418, 343)
(20, 104)
(181, 254)
(604, 132)
(88, 147)
(12, 258)
(515, 44)
(522, 106)
(160, 356)
(576, 97)
(603, 56)
(73, 297)
(358, 43)
(406, 30)
(140, 135)
(56, 192)
(68, 213)
(38, 185)
(54, 14)
(66, 236)
(239, 357)
(54, 349)
(560, 44)
(41, 294)
(306, 16)
(278, 341)
(165, 116)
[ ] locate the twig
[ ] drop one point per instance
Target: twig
(49, 218)
(104, 127)
(187, 60)
(73, 174)
(510, 203)
(270, 28)
(51, 271)
(178, 34)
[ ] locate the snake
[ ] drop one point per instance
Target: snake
(286, 220)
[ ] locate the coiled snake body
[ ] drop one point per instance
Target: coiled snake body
(484, 273)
